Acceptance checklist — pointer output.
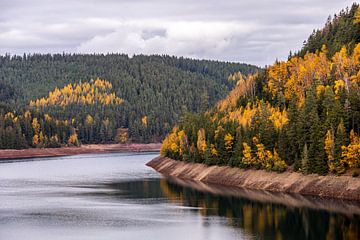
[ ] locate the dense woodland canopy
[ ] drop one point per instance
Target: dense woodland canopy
(303, 113)
(45, 99)
(339, 31)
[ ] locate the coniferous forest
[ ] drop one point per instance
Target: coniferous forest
(303, 113)
(69, 99)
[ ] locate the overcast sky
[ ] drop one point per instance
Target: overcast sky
(250, 31)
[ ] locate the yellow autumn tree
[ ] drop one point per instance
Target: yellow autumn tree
(213, 150)
(351, 153)
(89, 120)
(35, 140)
(330, 149)
(229, 142)
(73, 140)
(357, 16)
(201, 141)
(144, 121)
(279, 164)
(247, 158)
(36, 125)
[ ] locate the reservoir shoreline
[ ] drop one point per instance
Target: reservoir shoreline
(339, 187)
(8, 154)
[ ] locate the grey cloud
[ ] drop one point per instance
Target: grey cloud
(256, 32)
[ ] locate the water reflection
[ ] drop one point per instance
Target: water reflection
(268, 220)
(115, 196)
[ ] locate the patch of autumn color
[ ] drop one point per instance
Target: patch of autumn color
(144, 121)
(278, 118)
(35, 140)
(9, 116)
(304, 72)
(89, 120)
(245, 116)
(213, 150)
(176, 143)
(339, 85)
(277, 75)
(247, 155)
(244, 87)
(36, 126)
(73, 140)
(357, 16)
(27, 115)
(262, 157)
(229, 142)
(330, 149)
(235, 77)
(83, 93)
(293, 77)
(351, 153)
(320, 89)
(201, 141)
(279, 164)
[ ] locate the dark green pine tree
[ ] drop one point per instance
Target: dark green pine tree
(292, 137)
(315, 137)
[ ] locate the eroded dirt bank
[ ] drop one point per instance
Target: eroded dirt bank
(66, 151)
(343, 187)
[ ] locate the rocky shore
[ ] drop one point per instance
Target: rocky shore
(341, 187)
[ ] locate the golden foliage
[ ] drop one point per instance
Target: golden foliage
(351, 153)
(213, 150)
(330, 149)
(277, 74)
(247, 155)
(9, 116)
(244, 87)
(229, 141)
(122, 135)
(36, 126)
(176, 142)
(35, 140)
(89, 120)
(245, 116)
(73, 140)
(27, 115)
(144, 121)
(84, 93)
(277, 117)
(293, 77)
(357, 16)
(201, 141)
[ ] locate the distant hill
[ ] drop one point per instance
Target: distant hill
(158, 89)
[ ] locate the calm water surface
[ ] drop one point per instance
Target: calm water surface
(115, 196)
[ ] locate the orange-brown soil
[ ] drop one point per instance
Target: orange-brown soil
(65, 151)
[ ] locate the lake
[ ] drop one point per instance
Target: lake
(115, 196)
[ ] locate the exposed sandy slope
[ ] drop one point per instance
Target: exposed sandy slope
(65, 151)
(343, 187)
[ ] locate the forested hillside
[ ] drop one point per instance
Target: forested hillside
(339, 31)
(303, 113)
(154, 91)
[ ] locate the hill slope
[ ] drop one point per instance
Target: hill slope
(158, 89)
(303, 113)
